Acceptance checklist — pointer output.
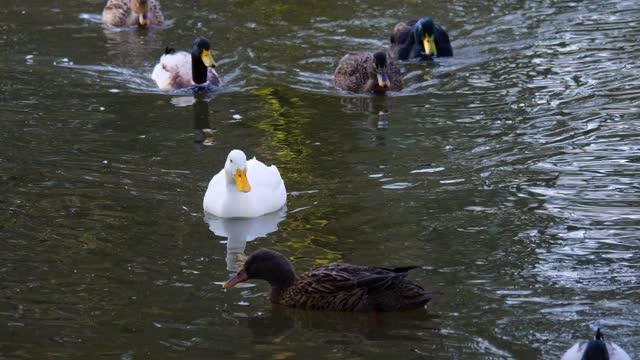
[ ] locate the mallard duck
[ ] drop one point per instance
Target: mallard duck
(419, 38)
(179, 69)
(123, 13)
(596, 349)
(366, 72)
(333, 287)
(244, 189)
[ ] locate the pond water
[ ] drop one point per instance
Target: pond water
(510, 172)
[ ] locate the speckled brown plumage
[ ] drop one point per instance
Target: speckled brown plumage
(122, 13)
(356, 73)
(334, 287)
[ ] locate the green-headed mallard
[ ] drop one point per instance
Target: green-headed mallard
(333, 287)
(180, 69)
(365, 72)
(596, 349)
(244, 189)
(123, 13)
(419, 38)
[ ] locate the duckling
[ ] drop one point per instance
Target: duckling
(124, 13)
(333, 287)
(366, 72)
(419, 38)
(179, 69)
(596, 349)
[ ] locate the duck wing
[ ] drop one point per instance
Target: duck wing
(443, 44)
(402, 42)
(343, 287)
(267, 176)
(173, 71)
(351, 73)
(155, 14)
(118, 13)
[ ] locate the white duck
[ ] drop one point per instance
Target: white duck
(244, 189)
(596, 349)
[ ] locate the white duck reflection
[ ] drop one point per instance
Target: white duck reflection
(239, 231)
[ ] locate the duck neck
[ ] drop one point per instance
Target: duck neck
(281, 285)
(231, 182)
(198, 70)
(282, 276)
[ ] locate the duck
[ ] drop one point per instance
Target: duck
(367, 72)
(333, 287)
(596, 349)
(244, 189)
(180, 69)
(421, 38)
(125, 13)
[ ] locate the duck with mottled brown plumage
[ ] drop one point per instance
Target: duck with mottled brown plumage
(333, 287)
(124, 13)
(366, 72)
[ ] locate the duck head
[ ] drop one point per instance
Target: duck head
(201, 59)
(141, 7)
(236, 170)
(424, 32)
(267, 265)
(596, 348)
(378, 70)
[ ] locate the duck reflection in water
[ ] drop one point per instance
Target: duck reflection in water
(239, 231)
(204, 131)
(377, 107)
(346, 327)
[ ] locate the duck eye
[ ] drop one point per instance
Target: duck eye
(230, 160)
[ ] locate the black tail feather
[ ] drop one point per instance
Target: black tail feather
(403, 269)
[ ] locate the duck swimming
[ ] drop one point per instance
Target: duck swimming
(419, 38)
(180, 69)
(244, 189)
(333, 287)
(124, 13)
(596, 349)
(366, 72)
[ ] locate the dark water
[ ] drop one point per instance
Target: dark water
(510, 172)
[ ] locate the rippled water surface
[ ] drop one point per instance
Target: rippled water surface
(510, 172)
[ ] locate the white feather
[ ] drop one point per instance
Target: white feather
(171, 65)
(576, 352)
(268, 193)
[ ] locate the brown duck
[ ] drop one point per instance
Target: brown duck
(366, 72)
(333, 287)
(123, 13)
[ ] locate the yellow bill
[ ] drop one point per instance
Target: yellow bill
(383, 80)
(241, 181)
(143, 20)
(430, 46)
(207, 58)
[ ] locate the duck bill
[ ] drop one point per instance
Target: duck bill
(430, 46)
(143, 20)
(383, 80)
(207, 58)
(242, 183)
(241, 276)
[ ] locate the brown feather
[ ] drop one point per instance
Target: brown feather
(120, 13)
(353, 74)
(344, 287)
